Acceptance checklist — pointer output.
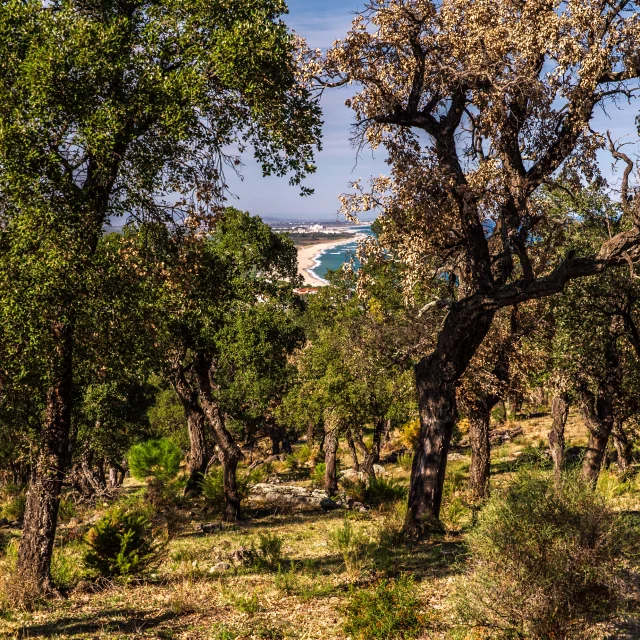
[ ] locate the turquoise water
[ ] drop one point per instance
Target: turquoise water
(333, 259)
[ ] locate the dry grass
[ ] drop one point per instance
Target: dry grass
(192, 596)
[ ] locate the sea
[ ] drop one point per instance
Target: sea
(333, 259)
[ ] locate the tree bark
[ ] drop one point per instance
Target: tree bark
(48, 471)
(622, 445)
(330, 456)
(353, 451)
(559, 414)
(230, 453)
(200, 449)
(436, 376)
(479, 472)
(371, 456)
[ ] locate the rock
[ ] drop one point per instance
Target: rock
(273, 459)
(4, 522)
(288, 496)
(255, 464)
(220, 566)
(240, 555)
(453, 455)
(210, 527)
(358, 506)
(329, 505)
(379, 470)
(351, 475)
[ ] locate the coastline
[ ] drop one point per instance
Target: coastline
(308, 259)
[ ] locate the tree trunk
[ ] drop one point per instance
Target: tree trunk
(371, 457)
(622, 445)
(598, 412)
(330, 456)
(353, 451)
(200, 449)
(559, 414)
(480, 469)
(230, 453)
(230, 484)
(436, 377)
(48, 472)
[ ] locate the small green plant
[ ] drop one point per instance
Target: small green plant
(405, 461)
(292, 464)
(14, 502)
(376, 491)
(67, 510)
(304, 454)
(317, 475)
(388, 611)
(248, 604)
(547, 561)
(66, 566)
(350, 544)
(159, 459)
(267, 551)
(121, 544)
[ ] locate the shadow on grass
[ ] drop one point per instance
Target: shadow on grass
(129, 621)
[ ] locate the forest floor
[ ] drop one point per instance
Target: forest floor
(200, 589)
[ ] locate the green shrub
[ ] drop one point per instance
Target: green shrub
(121, 544)
(405, 461)
(66, 566)
(351, 544)
(292, 464)
(14, 502)
(388, 611)
(304, 454)
(546, 561)
(317, 475)
(213, 487)
(159, 459)
(67, 510)
(376, 491)
(267, 551)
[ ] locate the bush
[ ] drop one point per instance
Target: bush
(376, 491)
(405, 461)
(159, 459)
(14, 502)
(67, 510)
(388, 611)
(317, 475)
(304, 454)
(546, 561)
(121, 544)
(267, 552)
(409, 434)
(350, 544)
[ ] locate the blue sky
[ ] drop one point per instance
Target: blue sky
(322, 22)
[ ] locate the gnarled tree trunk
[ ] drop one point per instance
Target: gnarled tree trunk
(371, 456)
(479, 413)
(559, 414)
(229, 453)
(200, 448)
(436, 376)
(48, 471)
(622, 445)
(331, 454)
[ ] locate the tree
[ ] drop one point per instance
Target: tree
(224, 321)
(479, 106)
(120, 108)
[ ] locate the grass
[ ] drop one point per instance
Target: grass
(302, 585)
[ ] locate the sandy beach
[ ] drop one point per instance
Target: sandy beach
(306, 259)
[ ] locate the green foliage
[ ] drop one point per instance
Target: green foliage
(158, 459)
(67, 510)
(13, 502)
(318, 474)
(376, 491)
(267, 551)
(547, 561)
(351, 544)
(388, 611)
(121, 544)
(303, 454)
